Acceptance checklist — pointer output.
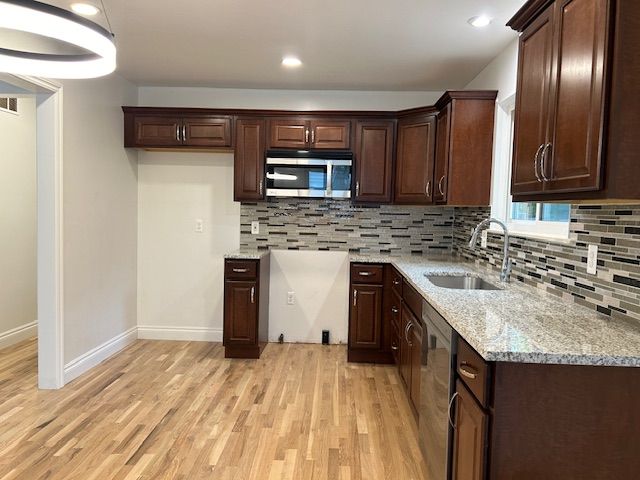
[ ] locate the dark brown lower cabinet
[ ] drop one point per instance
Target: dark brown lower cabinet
(246, 307)
(366, 317)
(410, 353)
(469, 438)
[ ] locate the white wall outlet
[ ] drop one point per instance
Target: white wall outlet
(592, 260)
(255, 228)
(199, 225)
(291, 298)
(483, 239)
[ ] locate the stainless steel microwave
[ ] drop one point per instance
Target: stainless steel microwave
(309, 174)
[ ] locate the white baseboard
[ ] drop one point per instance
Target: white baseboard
(99, 354)
(192, 334)
(18, 334)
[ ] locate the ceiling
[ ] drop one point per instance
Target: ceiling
(344, 44)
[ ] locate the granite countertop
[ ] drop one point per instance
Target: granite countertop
(246, 254)
(519, 323)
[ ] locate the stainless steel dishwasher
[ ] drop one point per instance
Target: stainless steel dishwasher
(436, 388)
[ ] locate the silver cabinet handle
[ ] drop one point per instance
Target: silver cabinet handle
(260, 186)
(543, 161)
(306, 135)
(453, 397)
(467, 373)
(394, 347)
(184, 133)
(396, 281)
(409, 327)
(535, 162)
(365, 274)
(313, 136)
(355, 297)
(357, 188)
(428, 189)
(240, 270)
(178, 132)
(394, 310)
(253, 294)
(440, 188)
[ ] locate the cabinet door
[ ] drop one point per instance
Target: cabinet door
(405, 347)
(532, 104)
(290, 133)
(572, 160)
(248, 170)
(415, 338)
(330, 134)
(365, 322)
(374, 161)
(157, 131)
(443, 142)
(240, 312)
(207, 132)
(414, 161)
(469, 438)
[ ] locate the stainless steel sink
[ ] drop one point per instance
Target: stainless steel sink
(460, 282)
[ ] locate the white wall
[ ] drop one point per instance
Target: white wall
(180, 271)
(283, 99)
(501, 74)
(18, 311)
(320, 281)
(100, 218)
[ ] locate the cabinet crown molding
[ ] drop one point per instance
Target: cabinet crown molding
(527, 13)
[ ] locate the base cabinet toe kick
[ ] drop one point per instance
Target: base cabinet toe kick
(482, 420)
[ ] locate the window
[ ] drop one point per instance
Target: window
(9, 104)
(539, 219)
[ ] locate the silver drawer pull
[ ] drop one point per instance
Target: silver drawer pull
(466, 373)
(394, 347)
(394, 310)
(240, 270)
(396, 281)
(365, 274)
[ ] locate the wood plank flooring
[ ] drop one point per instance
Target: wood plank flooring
(179, 410)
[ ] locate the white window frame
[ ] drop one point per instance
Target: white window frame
(501, 199)
(8, 110)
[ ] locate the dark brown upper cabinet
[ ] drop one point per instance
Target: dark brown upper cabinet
(169, 130)
(577, 94)
(303, 134)
(464, 148)
(374, 161)
(248, 171)
(415, 160)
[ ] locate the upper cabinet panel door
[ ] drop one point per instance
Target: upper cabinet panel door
(374, 161)
(207, 132)
(571, 160)
(414, 161)
(157, 131)
(330, 134)
(248, 171)
(289, 134)
(443, 150)
(532, 104)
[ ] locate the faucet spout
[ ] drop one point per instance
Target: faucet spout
(505, 274)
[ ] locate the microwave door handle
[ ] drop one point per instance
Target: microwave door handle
(329, 189)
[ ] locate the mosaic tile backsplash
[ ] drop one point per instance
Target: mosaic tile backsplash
(300, 224)
(561, 268)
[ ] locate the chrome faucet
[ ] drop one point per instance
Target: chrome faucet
(506, 261)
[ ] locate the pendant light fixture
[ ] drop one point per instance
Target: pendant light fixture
(56, 23)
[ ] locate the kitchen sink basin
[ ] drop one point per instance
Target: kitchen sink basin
(460, 282)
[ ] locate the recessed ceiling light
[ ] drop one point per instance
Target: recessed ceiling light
(480, 21)
(291, 62)
(85, 9)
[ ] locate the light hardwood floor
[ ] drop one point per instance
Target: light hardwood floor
(179, 410)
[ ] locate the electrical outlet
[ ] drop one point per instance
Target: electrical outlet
(592, 260)
(291, 298)
(199, 225)
(255, 228)
(485, 235)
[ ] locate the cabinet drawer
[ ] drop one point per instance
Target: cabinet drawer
(240, 269)
(365, 273)
(413, 299)
(396, 281)
(473, 371)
